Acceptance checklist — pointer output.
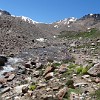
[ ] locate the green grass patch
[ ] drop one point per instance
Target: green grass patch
(32, 87)
(92, 33)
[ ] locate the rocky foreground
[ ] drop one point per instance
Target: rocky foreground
(68, 74)
(58, 61)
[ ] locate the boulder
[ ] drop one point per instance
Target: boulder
(49, 76)
(48, 69)
(61, 93)
(2, 80)
(3, 60)
(11, 77)
(62, 68)
(95, 70)
(24, 89)
(5, 90)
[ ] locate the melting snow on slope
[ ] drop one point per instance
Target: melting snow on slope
(91, 14)
(0, 13)
(67, 20)
(41, 39)
(28, 19)
(56, 26)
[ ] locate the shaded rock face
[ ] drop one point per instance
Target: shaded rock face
(3, 12)
(95, 16)
(3, 60)
(95, 70)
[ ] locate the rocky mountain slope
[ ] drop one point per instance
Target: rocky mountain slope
(57, 61)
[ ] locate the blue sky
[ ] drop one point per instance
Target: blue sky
(50, 10)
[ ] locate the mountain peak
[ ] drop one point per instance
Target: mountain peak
(95, 16)
(3, 12)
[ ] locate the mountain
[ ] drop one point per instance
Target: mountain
(56, 61)
(19, 32)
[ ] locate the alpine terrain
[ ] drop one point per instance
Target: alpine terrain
(56, 61)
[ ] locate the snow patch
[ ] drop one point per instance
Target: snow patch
(56, 26)
(68, 26)
(91, 14)
(0, 13)
(41, 40)
(54, 36)
(29, 20)
(88, 28)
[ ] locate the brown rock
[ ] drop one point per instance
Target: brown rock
(49, 76)
(28, 64)
(61, 93)
(48, 69)
(63, 68)
(24, 89)
(11, 77)
(2, 80)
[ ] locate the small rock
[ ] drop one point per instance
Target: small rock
(28, 65)
(74, 96)
(47, 97)
(48, 69)
(5, 90)
(36, 73)
(61, 93)
(95, 70)
(3, 60)
(62, 68)
(97, 80)
(80, 84)
(24, 89)
(17, 98)
(49, 76)
(40, 85)
(85, 76)
(39, 65)
(2, 80)
(11, 77)
(18, 89)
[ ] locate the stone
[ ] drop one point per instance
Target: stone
(36, 73)
(39, 65)
(28, 64)
(95, 70)
(47, 97)
(2, 80)
(41, 85)
(74, 96)
(1, 67)
(49, 76)
(5, 90)
(80, 84)
(48, 69)
(17, 98)
(97, 80)
(85, 76)
(24, 89)
(3, 60)
(11, 77)
(61, 93)
(18, 89)
(62, 68)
